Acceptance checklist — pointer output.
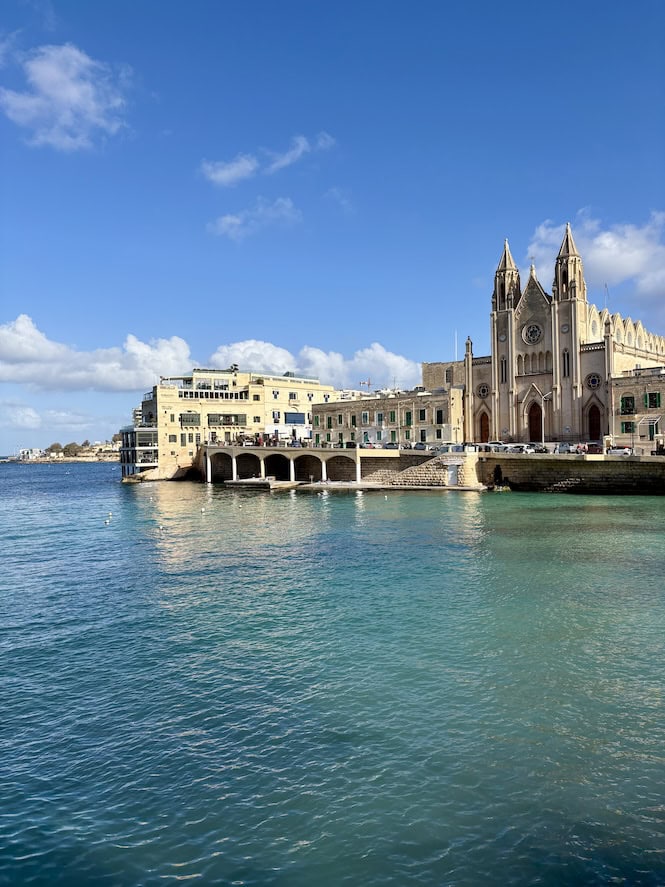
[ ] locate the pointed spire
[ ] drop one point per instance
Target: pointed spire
(507, 262)
(532, 271)
(568, 247)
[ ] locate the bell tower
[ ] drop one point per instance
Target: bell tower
(506, 282)
(569, 284)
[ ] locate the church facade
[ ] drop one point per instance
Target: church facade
(560, 368)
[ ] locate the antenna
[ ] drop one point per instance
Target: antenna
(368, 383)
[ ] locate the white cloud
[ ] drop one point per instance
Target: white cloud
(28, 357)
(19, 416)
(613, 255)
(375, 363)
(227, 174)
(238, 226)
(244, 166)
(71, 98)
(253, 355)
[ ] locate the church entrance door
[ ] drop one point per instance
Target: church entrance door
(535, 422)
(484, 428)
(594, 422)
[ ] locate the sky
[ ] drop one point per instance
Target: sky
(306, 186)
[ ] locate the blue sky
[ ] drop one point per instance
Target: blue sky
(309, 186)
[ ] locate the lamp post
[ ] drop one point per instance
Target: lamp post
(543, 398)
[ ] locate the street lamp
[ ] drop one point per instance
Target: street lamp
(543, 398)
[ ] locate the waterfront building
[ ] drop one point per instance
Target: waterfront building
(391, 417)
(560, 368)
(218, 406)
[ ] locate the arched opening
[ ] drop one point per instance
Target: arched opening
(484, 428)
(248, 465)
(221, 468)
(277, 466)
(307, 467)
(535, 421)
(594, 423)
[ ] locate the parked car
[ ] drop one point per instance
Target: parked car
(594, 448)
(565, 448)
(350, 444)
(521, 448)
(539, 448)
(619, 451)
(390, 446)
(420, 446)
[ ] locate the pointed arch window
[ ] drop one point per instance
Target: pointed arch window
(565, 363)
(503, 366)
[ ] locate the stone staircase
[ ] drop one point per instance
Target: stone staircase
(433, 473)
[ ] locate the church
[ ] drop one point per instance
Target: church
(561, 369)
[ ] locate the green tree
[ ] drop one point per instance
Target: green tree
(54, 448)
(85, 444)
(71, 449)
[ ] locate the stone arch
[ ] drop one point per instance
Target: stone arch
(221, 467)
(277, 466)
(341, 468)
(520, 365)
(618, 328)
(307, 466)
(629, 332)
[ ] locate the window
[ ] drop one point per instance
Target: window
(407, 434)
(256, 397)
(172, 417)
(627, 427)
(379, 418)
(190, 419)
(439, 418)
(340, 419)
(173, 438)
(408, 418)
(364, 417)
(293, 395)
(449, 375)
(275, 394)
(328, 421)
(294, 418)
(391, 415)
(198, 439)
(316, 421)
(275, 415)
(317, 439)
(256, 420)
(393, 437)
(438, 434)
(504, 369)
(423, 436)
(183, 440)
(627, 405)
(328, 436)
(190, 437)
(353, 420)
(652, 400)
(379, 435)
(422, 415)
(565, 363)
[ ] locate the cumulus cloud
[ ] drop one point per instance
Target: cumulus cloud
(28, 357)
(238, 226)
(227, 174)
(612, 255)
(384, 368)
(70, 100)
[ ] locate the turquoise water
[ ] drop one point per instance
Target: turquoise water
(337, 689)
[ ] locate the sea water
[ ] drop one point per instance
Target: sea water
(344, 688)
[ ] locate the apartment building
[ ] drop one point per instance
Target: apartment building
(225, 406)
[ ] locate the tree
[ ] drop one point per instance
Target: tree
(71, 449)
(54, 448)
(86, 444)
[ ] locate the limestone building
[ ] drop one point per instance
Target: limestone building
(391, 417)
(560, 368)
(224, 406)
